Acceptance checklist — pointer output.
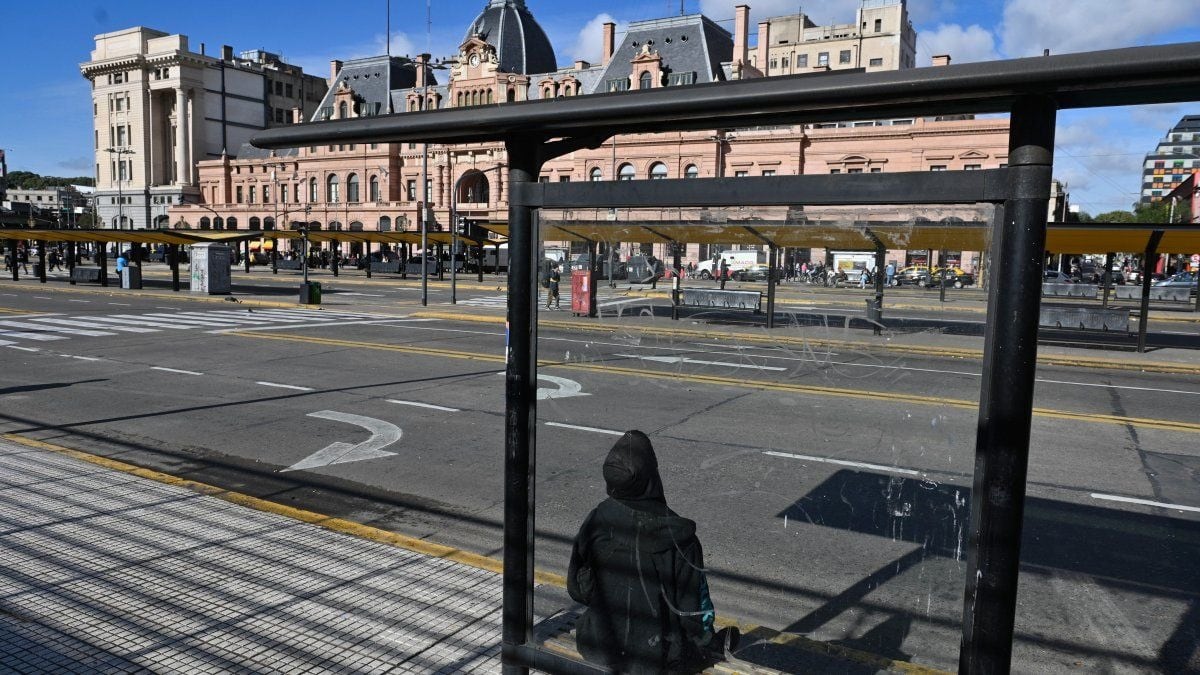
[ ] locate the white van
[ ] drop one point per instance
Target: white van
(737, 260)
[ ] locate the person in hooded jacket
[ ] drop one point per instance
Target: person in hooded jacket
(639, 568)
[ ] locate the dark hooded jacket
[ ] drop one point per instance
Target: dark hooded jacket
(638, 567)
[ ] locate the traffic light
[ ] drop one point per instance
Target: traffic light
(461, 226)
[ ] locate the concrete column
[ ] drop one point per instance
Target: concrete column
(183, 172)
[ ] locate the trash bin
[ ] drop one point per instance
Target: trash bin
(37, 270)
(131, 278)
(310, 293)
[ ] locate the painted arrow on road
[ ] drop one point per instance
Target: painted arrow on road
(564, 388)
(383, 434)
(681, 359)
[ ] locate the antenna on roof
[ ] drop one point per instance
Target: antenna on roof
(428, 28)
(388, 39)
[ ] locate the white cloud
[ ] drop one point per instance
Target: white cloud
(1063, 26)
(589, 44)
(973, 43)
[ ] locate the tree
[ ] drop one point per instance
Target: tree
(27, 180)
(1154, 212)
(1115, 217)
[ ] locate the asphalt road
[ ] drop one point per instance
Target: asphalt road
(830, 484)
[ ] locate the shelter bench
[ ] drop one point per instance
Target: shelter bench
(87, 275)
(289, 264)
(1084, 318)
(714, 298)
(1179, 294)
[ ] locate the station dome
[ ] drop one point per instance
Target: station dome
(521, 44)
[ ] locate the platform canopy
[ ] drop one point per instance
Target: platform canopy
(189, 237)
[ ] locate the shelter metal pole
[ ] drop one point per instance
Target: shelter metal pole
(772, 261)
(880, 277)
(479, 258)
(367, 248)
(72, 253)
(1106, 279)
(1006, 396)
(102, 256)
(441, 251)
(520, 406)
(274, 255)
(1147, 276)
(593, 277)
(42, 261)
(174, 253)
(12, 252)
(335, 251)
(676, 278)
(247, 262)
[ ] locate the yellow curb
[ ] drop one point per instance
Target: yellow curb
(431, 549)
(1164, 367)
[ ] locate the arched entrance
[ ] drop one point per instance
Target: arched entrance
(473, 188)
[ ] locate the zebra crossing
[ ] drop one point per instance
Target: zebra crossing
(501, 301)
(42, 328)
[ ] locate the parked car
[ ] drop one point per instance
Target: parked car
(917, 275)
(954, 276)
(751, 273)
(1056, 277)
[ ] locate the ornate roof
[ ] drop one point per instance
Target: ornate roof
(521, 44)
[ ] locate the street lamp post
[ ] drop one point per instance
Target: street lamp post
(454, 234)
(120, 194)
(426, 210)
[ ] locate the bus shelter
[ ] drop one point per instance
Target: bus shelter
(1030, 90)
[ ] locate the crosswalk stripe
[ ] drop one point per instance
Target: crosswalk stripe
(39, 337)
(55, 329)
(121, 318)
(246, 318)
(88, 324)
(194, 321)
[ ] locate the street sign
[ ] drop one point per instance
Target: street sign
(383, 434)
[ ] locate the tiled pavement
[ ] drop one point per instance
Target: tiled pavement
(101, 571)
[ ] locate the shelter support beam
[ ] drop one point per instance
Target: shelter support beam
(102, 258)
(676, 277)
(246, 246)
(520, 415)
(1006, 397)
(274, 255)
(72, 253)
(12, 257)
(1148, 261)
(174, 260)
(772, 265)
(1106, 279)
(41, 261)
(593, 277)
(878, 277)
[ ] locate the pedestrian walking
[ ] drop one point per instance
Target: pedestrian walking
(23, 259)
(723, 272)
(553, 280)
(638, 567)
(890, 273)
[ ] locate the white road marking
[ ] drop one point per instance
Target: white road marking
(82, 358)
(54, 329)
(124, 319)
(297, 325)
(566, 388)
(1120, 386)
(681, 359)
(1145, 502)
(121, 304)
(175, 370)
(284, 386)
(83, 301)
(25, 349)
(367, 295)
(42, 297)
(383, 434)
(597, 430)
(91, 324)
(5, 343)
(423, 405)
(843, 462)
(39, 337)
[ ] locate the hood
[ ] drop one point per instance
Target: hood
(631, 470)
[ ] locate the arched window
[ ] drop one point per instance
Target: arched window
(595, 174)
(205, 223)
(312, 190)
(625, 172)
(342, 110)
(218, 223)
(644, 80)
(690, 171)
(511, 96)
(356, 226)
(268, 223)
(473, 188)
(352, 188)
(255, 223)
(231, 223)
(332, 188)
(335, 225)
(658, 171)
(374, 188)
(412, 106)
(475, 98)
(385, 224)
(489, 96)
(458, 98)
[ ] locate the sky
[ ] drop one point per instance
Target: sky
(45, 119)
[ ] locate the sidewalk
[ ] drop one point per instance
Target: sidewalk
(111, 568)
